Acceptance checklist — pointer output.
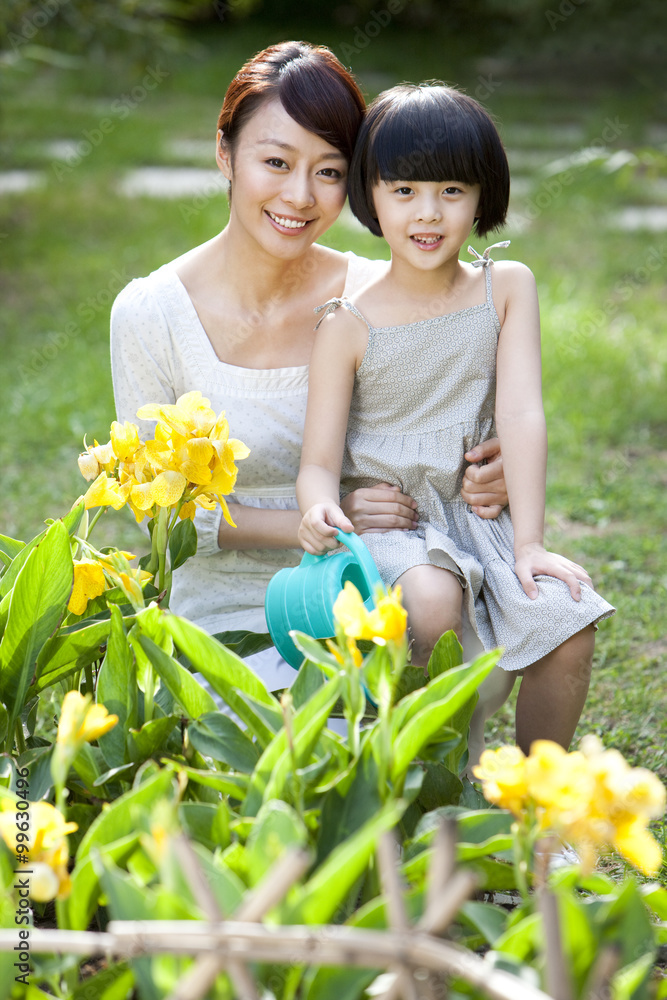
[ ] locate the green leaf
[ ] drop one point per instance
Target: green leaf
(216, 735)
(228, 674)
(10, 547)
(447, 654)
(234, 785)
(79, 648)
(38, 603)
(343, 815)
(182, 543)
(320, 897)
(314, 651)
(112, 983)
(308, 680)
(244, 643)
(152, 737)
(440, 787)
(276, 829)
(488, 919)
(523, 940)
(631, 982)
(83, 898)
(276, 763)
(117, 691)
(425, 722)
(117, 821)
(188, 692)
(207, 823)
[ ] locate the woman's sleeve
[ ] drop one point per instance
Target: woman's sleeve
(144, 361)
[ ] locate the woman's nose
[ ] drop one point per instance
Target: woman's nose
(298, 191)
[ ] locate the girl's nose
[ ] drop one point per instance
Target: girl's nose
(428, 210)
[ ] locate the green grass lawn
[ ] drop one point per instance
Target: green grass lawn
(69, 246)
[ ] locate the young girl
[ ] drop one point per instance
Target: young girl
(419, 367)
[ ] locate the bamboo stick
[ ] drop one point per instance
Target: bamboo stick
(326, 945)
(404, 984)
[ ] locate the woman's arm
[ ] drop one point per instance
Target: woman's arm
(522, 431)
(484, 486)
(339, 344)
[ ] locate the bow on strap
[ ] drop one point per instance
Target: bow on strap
(483, 260)
(328, 307)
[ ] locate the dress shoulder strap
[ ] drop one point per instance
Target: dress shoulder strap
(333, 304)
(483, 260)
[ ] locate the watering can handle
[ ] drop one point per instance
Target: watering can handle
(359, 551)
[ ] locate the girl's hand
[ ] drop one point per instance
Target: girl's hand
(380, 508)
(317, 532)
(484, 486)
(534, 560)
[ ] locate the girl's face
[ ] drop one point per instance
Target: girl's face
(288, 184)
(426, 222)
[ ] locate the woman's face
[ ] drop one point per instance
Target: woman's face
(288, 184)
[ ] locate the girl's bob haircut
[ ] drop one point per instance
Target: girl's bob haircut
(429, 132)
(312, 85)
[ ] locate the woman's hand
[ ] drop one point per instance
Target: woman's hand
(380, 508)
(484, 486)
(534, 560)
(319, 526)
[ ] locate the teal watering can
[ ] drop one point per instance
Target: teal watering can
(302, 598)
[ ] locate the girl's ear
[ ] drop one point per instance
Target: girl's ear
(223, 155)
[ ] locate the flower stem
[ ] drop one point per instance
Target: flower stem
(95, 519)
(20, 741)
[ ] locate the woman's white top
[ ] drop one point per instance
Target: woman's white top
(160, 350)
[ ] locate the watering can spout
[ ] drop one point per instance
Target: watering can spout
(302, 598)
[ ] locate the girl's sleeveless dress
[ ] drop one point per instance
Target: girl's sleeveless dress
(423, 395)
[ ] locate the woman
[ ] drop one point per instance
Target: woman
(234, 318)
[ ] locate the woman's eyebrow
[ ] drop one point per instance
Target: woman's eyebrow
(293, 149)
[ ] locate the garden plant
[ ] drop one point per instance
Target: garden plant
(114, 752)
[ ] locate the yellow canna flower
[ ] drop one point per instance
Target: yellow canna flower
(106, 492)
(89, 582)
(503, 776)
(634, 842)
(353, 649)
(188, 509)
(124, 440)
(387, 622)
(81, 722)
(168, 488)
(562, 783)
(47, 851)
(141, 495)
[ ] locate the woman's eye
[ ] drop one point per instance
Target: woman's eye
(331, 172)
(275, 161)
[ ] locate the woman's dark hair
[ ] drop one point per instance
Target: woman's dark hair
(314, 88)
(429, 132)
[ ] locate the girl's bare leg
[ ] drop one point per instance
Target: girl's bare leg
(433, 599)
(553, 691)
(493, 692)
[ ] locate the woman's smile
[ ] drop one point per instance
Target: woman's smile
(288, 223)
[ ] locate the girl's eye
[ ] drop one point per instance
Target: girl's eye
(452, 190)
(404, 190)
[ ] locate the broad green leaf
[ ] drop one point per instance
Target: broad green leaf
(425, 722)
(523, 940)
(234, 785)
(216, 735)
(276, 763)
(320, 897)
(117, 691)
(207, 823)
(83, 898)
(10, 546)
(344, 814)
(632, 981)
(655, 897)
(116, 820)
(447, 654)
(227, 887)
(182, 543)
(71, 522)
(276, 829)
(112, 983)
(188, 692)
(228, 674)
(40, 594)
(244, 643)
(488, 919)
(474, 827)
(78, 647)
(152, 737)
(314, 651)
(308, 680)
(440, 786)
